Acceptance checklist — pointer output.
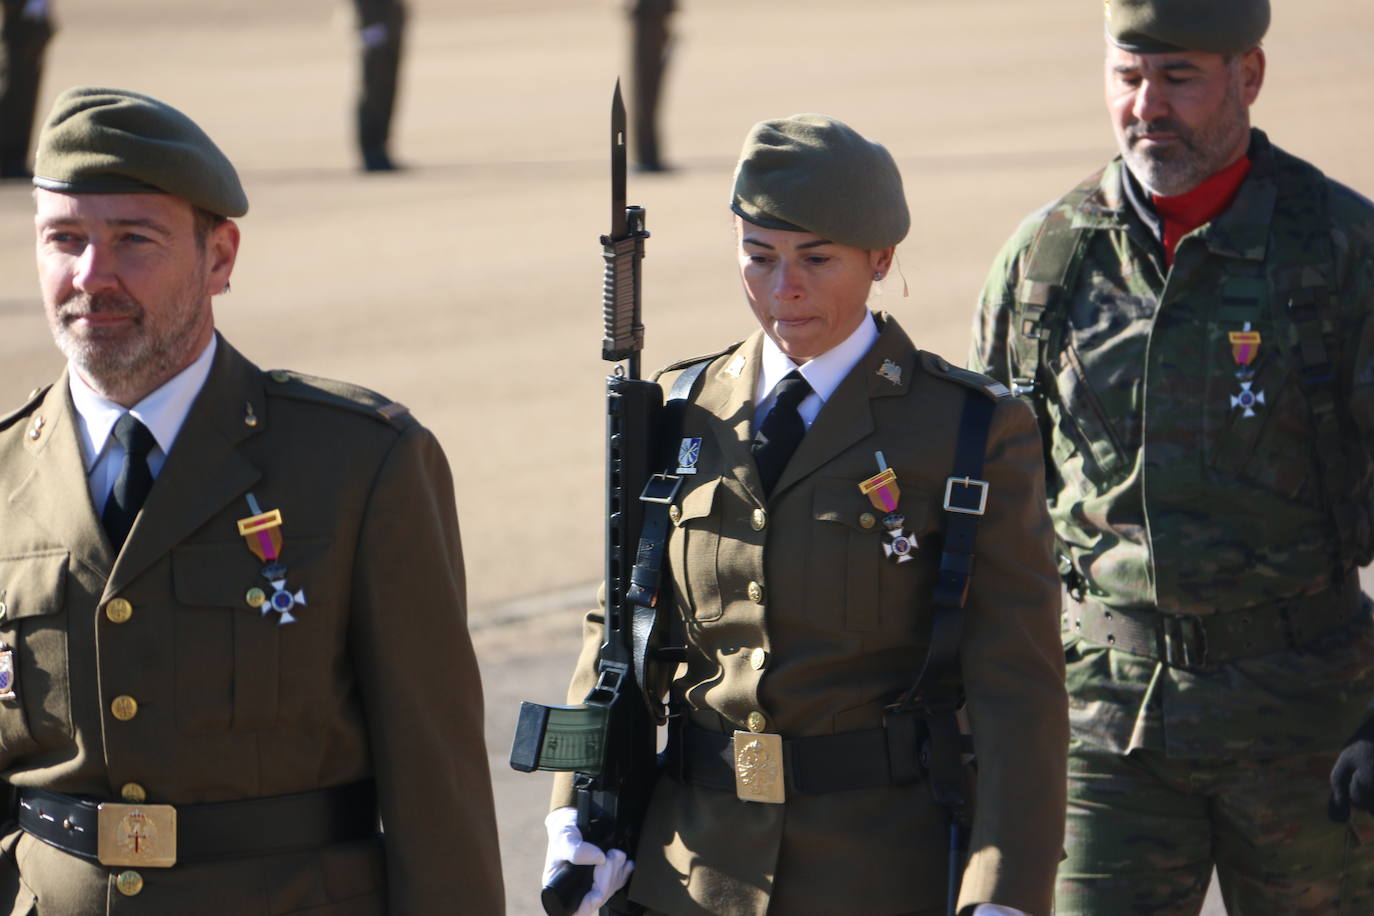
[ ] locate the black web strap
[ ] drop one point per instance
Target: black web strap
(646, 578)
(937, 693)
(966, 495)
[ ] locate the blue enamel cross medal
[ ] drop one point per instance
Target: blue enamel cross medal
(882, 491)
(1245, 345)
(262, 531)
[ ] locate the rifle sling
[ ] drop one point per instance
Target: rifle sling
(937, 693)
(646, 578)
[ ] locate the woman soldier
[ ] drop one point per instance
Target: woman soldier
(809, 535)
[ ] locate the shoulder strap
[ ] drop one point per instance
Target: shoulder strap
(927, 714)
(966, 496)
(1051, 271)
(646, 578)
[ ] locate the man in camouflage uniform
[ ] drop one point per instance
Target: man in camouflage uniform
(1193, 325)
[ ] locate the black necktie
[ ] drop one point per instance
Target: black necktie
(780, 432)
(134, 481)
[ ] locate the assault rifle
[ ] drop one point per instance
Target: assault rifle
(609, 741)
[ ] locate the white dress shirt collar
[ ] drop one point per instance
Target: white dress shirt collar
(163, 411)
(823, 373)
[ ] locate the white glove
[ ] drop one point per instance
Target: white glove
(612, 869)
(995, 909)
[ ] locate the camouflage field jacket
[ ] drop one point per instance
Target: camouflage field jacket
(1189, 473)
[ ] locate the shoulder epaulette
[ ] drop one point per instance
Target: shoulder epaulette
(36, 395)
(939, 366)
(344, 395)
(691, 361)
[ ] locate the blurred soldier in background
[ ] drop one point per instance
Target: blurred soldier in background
(649, 47)
(1194, 327)
(26, 26)
(381, 25)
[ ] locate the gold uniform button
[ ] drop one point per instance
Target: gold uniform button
(867, 520)
(255, 597)
(758, 659)
(119, 610)
(124, 708)
(279, 375)
(756, 593)
(757, 722)
(675, 513)
(759, 519)
(129, 883)
(133, 793)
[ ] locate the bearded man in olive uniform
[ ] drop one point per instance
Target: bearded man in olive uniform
(1195, 327)
(807, 602)
(232, 620)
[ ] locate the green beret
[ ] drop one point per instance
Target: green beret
(1165, 26)
(811, 173)
(111, 141)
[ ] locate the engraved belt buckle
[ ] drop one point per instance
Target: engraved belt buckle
(136, 835)
(758, 768)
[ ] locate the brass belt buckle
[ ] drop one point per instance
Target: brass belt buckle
(144, 835)
(759, 768)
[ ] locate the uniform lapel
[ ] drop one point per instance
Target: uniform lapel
(727, 397)
(205, 470)
(53, 491)
(847, 417)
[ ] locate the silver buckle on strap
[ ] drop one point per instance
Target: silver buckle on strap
(966, 482)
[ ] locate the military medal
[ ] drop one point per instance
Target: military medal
(7, 678)
(1245, 346)
(688, 454)
(1247, 399)
(262, 531)
(882, 491)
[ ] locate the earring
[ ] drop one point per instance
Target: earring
(877, 275)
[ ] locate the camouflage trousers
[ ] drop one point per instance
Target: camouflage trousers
(1144, 832)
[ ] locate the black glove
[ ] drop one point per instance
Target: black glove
(1352, 778)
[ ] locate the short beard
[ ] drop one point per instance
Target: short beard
(1205, 151)
(129, 363)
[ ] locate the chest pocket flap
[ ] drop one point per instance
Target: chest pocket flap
(694, 547)
(33, 585)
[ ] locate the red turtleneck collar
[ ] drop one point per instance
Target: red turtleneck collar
(1185, 212)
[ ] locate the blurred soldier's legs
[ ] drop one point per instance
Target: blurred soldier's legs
(1144, 832)
(649, 59)
(25, 30)
(381, 25)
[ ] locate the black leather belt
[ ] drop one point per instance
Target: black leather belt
(1204, 641)
(864, 759)
(146, 834)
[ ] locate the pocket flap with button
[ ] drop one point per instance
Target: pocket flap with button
(33, 585)
(215, 575)
(696, 500)
(841, 501)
